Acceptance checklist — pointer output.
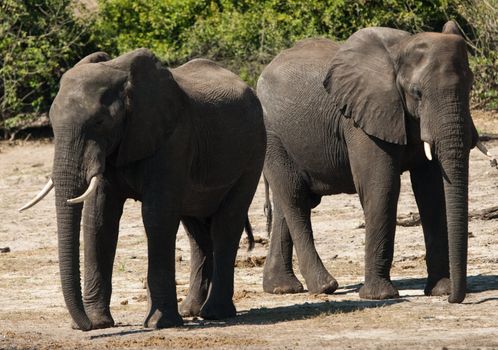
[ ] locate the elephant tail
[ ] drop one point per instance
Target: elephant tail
(250, 236)
(267, 208)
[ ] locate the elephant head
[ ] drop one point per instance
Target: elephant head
(106, 113)
(380, 77)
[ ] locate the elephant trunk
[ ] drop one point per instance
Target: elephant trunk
(453, 153)
(69, 182)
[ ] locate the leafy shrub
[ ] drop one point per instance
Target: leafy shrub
(39, 39)
(124, 25)
(245, 34)
(480, 27)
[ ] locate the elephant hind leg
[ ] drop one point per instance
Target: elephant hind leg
(227, 225)
(292, 194)
(201, 265)
(278, 275)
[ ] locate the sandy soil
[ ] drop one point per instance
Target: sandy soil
(33, 315)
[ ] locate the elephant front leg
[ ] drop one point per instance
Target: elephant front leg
(380, 225)
(278, 275)
(161, 228)
(375, 169)
(427, 186)
(102, 213)
(201, 265)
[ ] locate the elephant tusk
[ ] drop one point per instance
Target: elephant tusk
(427, 150)
(91, 188)
(48, 187)
(480, 146)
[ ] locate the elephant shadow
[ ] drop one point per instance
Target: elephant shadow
(273, 315)
(475, 284)
(265, 315)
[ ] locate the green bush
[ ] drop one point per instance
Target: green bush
(39, 39)
(480, 27)
(245, 34)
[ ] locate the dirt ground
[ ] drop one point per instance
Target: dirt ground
(33, 315)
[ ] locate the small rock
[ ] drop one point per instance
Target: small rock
(140, 298)
(124, 302)
(5, 250)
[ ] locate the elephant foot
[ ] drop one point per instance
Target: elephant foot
(157, 319)
(190, 307)
(99, 320)
(325, 285)
(379, 289)
(276, 281)
(439, 287)
(213, 310)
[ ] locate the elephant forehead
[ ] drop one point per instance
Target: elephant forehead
(449, 46)
(88, 89)
(92, 78)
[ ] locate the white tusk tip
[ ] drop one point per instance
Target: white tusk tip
(91, 188)
(48, 187)
(427, 150)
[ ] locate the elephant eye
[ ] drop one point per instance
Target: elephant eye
(415, 92)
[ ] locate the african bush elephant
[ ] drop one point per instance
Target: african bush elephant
(350, 118)
(189, 143)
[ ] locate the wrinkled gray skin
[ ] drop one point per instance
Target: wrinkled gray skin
(351, 118)
(188, 143)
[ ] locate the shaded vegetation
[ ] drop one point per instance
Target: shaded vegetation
(39, 40)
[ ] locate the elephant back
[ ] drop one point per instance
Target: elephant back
(297, 108)
(207, 82)
(307, 59)
(227, 119)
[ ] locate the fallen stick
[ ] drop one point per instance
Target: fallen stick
(413, 219)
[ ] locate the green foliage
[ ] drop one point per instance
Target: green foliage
(481, 31)
(39, 39)
(245, 34)
(124, 25)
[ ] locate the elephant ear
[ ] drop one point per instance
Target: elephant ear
(362, 83)
(94, 58)
(153, 102)
(451, 27)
